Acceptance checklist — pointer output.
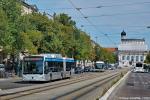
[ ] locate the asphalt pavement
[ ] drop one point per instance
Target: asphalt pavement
(11, 83)
(135, 87)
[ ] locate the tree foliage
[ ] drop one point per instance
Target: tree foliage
(147, 59)
(39, 34)
(5, 35)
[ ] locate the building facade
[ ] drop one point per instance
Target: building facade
(131, 51)
(28, 9)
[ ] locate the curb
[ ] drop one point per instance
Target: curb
(5, 79)
(109, 92)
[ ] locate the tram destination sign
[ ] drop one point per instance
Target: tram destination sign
(33, 58)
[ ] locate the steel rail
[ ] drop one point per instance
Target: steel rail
(79, 92)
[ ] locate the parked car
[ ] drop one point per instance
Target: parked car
(119, 67)
(87, 69)
(111, 68)
(78, 70)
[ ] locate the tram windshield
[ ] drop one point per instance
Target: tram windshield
(99, 65)
(138, 64)
(33, 67)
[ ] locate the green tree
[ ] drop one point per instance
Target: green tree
(6, 38)
(12, 9)
(147, 58)
(39, 34)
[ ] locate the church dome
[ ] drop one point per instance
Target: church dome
(123, 33)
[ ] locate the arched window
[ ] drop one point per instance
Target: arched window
(123, 57)
(141, 58)
(128, 57)
(132, 58)
(137, 58)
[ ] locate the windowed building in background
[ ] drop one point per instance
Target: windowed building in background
(131, 51)
(27, 8)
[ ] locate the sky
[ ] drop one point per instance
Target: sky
(104, 20)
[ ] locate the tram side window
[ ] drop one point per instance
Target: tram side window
(59, 66)
(70, 65)
(55, 66)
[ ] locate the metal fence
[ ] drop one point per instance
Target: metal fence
(4, 74)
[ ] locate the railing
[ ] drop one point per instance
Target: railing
(4, 74)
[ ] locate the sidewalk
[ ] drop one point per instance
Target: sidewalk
(110, 93)
(10, 78)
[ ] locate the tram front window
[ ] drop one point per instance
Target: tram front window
(33, 67)
(138, 65)
(99, 66)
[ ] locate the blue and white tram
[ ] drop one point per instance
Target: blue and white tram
(99, 66)
(46, 67)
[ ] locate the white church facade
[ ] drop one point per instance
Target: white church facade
(131, 51)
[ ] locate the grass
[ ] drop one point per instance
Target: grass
(112, 83)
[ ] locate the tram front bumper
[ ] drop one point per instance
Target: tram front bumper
(33, 77)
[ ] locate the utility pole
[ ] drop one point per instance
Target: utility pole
(96, 45)
(96, 39)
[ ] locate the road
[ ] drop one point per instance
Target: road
(13, 83)
(17, 82)
(135, 87)
(91, 88)
(67, 92)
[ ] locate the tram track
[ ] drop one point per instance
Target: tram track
(79, 92)
(26, 92)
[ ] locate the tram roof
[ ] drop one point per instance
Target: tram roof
(52, 55)
(99, 61)
(59, 59)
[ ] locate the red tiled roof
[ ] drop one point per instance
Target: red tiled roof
(111, 49)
